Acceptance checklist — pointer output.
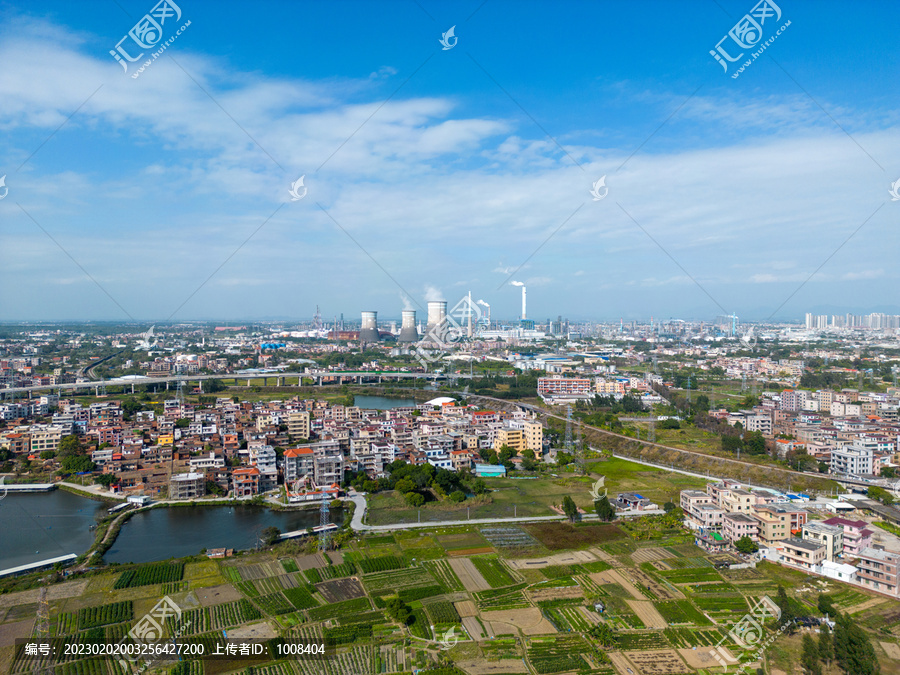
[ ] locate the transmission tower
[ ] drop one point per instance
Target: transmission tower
(42, 629)
(743, 382)
(580, 451)
(42, 624)
(689, 390)
(569, 429)
(651, 429)
(179, 390)
(324, 521)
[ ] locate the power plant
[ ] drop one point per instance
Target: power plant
(408, 331)
(437, 317)
(368, 332)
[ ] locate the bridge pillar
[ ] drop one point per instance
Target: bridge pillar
(167, 385)
(248, 382)
(132, 387)
(96, 391)
(265, 381)
(280, 381)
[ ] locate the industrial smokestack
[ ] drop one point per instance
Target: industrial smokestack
(437, 317)
(519, 283)
(369, 329)
(408, 332)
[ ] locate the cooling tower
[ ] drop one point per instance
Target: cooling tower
(368, 332)
(408, 332)
(437, 316)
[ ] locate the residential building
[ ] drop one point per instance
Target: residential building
(245, 481)
(878, 569)
(564, 386)
(830, 536)
(738, 525)
(187, 485)
(802, 553)
(857, 536)
(777, 522)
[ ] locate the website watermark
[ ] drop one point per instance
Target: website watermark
(148, 34)
(599, 189)
(448, 39)
(151, 629)
(599, 484)
(461, 323)
(894, 191)
(3, 490)
(5, 190)
(748, 34)
(748, 634)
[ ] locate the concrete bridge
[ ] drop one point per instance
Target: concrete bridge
(280, 379)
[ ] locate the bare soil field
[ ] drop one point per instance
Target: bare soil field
(69, 589)
(216, 595)
(340, 589)
(466, 608)
(622, 665)
(556, 593)
(647, 613)
(568, 558)
(490, 667)
(305, 562)
(469, 575)
(891, 649)
(529, 620)
(259, 631)
(699, 658)
(559, 536)
(473, 628)
(615, 577)
(650, 554)
(658, 662)
(660, 565)
(10, 632)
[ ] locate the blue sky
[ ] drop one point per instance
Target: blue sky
(433, 172)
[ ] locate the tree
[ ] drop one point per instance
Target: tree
(852, 649)
(810, 657)
(569, 508)
(788, 609)
(826, 645)
(214, 386)
(105, 479)
(404, 485)
(668, 507)
(270, 535)
(399, 611)
(458, 496)
(605, 511)
(746, 545)
(68, 446)
(414, 499)
(605, 635)
(213, 488)
(880, 494)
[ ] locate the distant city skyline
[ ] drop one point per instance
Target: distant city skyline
(596, 153)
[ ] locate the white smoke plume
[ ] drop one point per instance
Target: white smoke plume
(516, 283)
(484, 304)
(432, 294)
(406, 303)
